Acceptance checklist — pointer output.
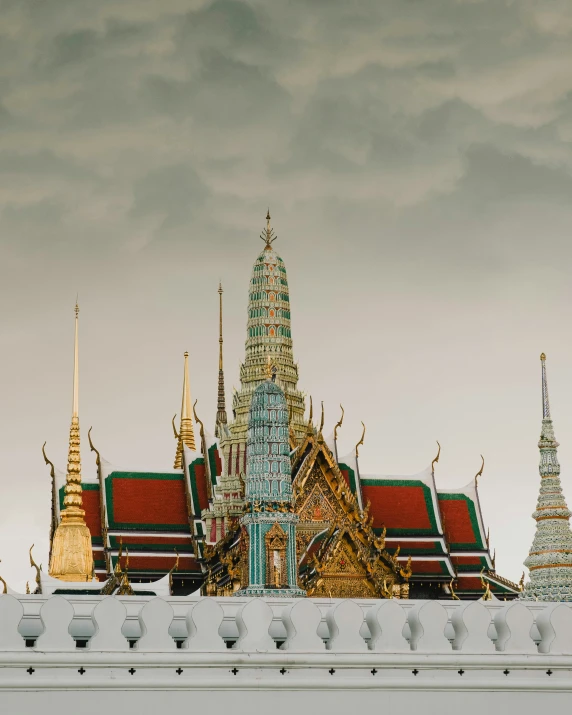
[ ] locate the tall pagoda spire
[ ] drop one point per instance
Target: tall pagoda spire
(550, 557)
(268, 335)
(221, 418)
(186, 432)
(71, 553)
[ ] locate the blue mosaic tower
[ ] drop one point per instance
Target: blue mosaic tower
(269, 524)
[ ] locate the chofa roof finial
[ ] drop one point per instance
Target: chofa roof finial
(361, 440)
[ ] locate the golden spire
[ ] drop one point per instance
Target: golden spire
(71, 554)
(221, 418)
(186, 433)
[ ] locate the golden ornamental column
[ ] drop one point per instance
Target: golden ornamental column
(72, 555)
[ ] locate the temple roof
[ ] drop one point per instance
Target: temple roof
(462, 518)
(404, 505)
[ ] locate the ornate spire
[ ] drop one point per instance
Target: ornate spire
(221, 418)
(268, 235)
(186, 433)
(550, 557)
(268, 334)
(71, 554)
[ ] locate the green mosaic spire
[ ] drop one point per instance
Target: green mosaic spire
(268, 335)
(269, 523)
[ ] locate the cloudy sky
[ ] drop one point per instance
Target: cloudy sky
(416, 158)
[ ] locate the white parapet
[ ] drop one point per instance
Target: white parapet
(144, 654)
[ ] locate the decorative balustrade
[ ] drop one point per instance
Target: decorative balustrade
(146, 646)
(209, 625)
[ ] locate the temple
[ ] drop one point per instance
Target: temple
(266, 505)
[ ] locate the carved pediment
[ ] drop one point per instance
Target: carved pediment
(343, 561)
(319, 505)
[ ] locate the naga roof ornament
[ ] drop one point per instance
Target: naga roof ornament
(550, 558)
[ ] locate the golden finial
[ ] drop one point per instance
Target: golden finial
(126, 559)
(203, 449)
(321, 420)
(48, 462)
(478, 474)
(542, 356)
(93, 449)
(361, 440)
(338, 424)
(197, 420)
(119, 555)
(434, 462)
(521, 582)
(71, 556)
(407, 571)
(28, 588)
(487, 595)
(453, 594)
(186, 433)
(125, 586)
(4, 583)
(267, 234)
(54, 523)
(175, 568)
(34, 565)
(310, 427)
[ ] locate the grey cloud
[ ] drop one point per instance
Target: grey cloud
(174, 192)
